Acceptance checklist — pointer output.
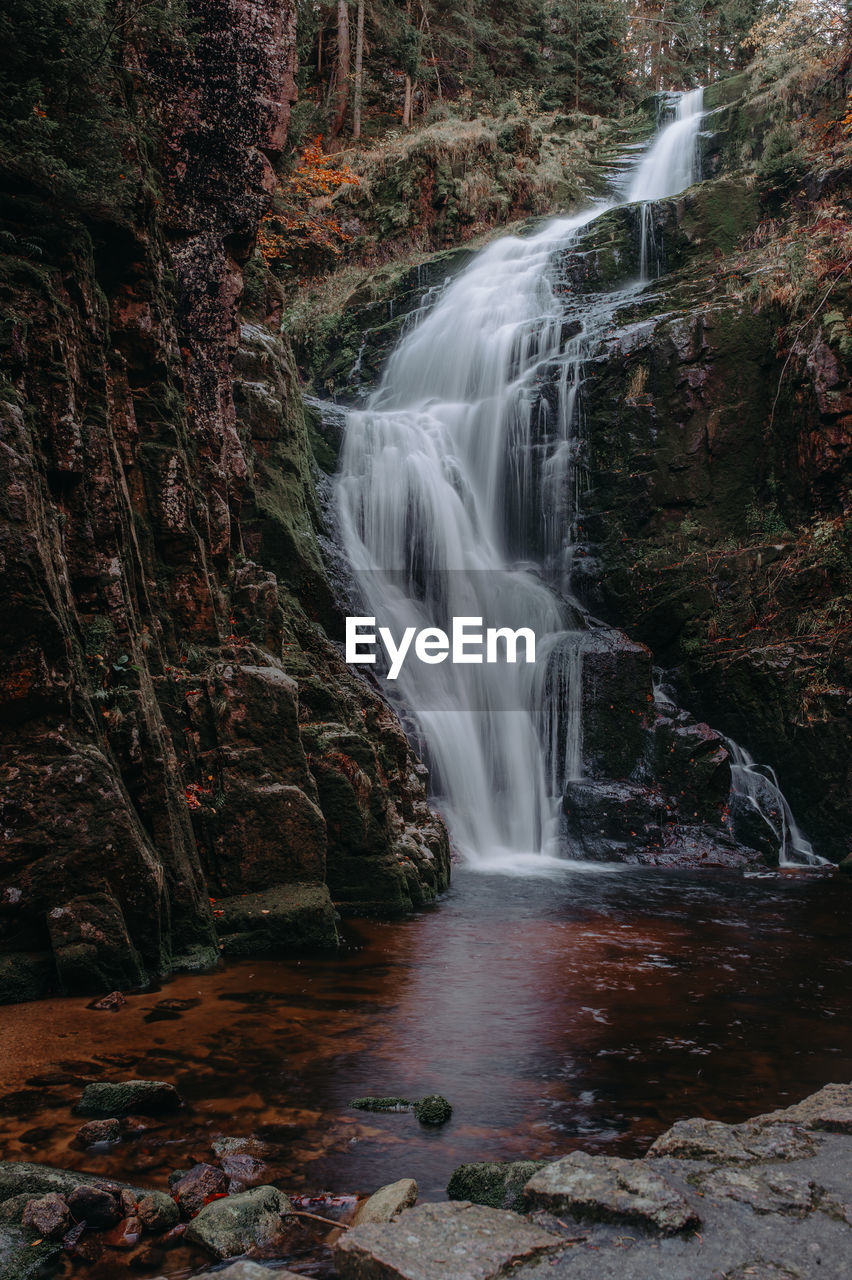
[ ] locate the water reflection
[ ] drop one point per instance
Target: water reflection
(587, 1011)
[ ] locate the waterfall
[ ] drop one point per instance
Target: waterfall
(670, 166)
(758, 787)
(455, 500)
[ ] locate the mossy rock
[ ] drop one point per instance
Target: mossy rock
(433, 1110)
(284, 918)
(128, 1097)
(499, 1184)
(381, 1104)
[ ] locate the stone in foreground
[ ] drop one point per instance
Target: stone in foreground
(129, 1097)
(387, 1203)
(251, 1220)
(608, 1189)
(459, 1240)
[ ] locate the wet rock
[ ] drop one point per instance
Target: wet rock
(25, 1181)
(158, 1213)
(95, 1131)
(433, 1109)
(462, 1240)
(237, 1224)
(763, 1190)
(611, 821)
(760, 1270)
(244, 1171)
(608, 1189)
(388, 1202)
(283, 918)
(742, 1143)
(829, 1110)
(92, 947)
(112, 1003)
(94, 1206)
(48, 1217)
(499, 1185)
(193, 1189)
(129, 1097)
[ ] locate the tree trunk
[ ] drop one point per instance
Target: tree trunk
(406, 108)
(359, 72)
(341, 95)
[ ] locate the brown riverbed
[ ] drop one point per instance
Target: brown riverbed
(592, 1009)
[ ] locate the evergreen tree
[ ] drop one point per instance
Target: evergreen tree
(588, 40)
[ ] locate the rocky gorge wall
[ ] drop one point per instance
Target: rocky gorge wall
(180, 736)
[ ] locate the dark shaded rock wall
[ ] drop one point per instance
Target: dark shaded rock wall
(175, 722)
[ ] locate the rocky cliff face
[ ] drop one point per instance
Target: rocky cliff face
(176, 723)
(717, 527)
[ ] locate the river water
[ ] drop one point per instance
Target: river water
(590, 1008)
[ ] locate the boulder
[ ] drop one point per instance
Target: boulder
(237, 1224)
(49, 1216)
(91, 946)
(129, 1097)
(612, 821)
(609, 1189)
(498, 1184)
(95, 1131)
(284, 918)
(387, 1203)
(243, 1170)
(459, 1240)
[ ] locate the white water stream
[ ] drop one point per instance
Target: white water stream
(456, 497)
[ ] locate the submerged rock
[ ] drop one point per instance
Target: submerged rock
(499, 1185)
(247, 1270)
(387, 1203)
(608, 1189)
(459, 1240)
(126, 1097)
(237, 1224)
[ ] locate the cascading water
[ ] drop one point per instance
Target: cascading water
(670, 166)
(455, 500)
(758, 787)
